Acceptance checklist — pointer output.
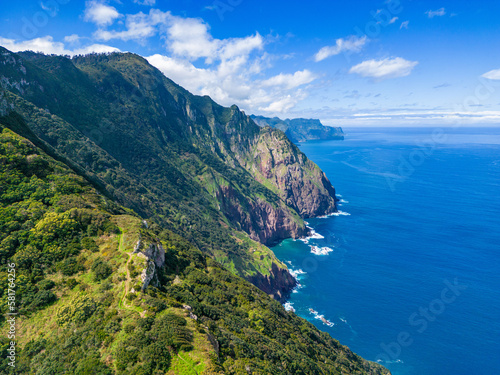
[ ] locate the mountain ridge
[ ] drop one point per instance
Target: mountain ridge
(301, 129)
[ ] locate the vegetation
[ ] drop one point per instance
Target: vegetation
(54, 224)
(79, 292)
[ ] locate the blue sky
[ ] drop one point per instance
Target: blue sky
(348, 63)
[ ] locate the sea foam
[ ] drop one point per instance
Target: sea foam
(316, 250)
(338, 213)
(289, 306)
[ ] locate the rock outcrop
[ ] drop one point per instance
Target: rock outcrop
(278, 284)
(155, 259)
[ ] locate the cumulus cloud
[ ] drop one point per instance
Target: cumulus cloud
(290, 81)
(137, 26)
(436, 13)
(384, 69)
(47, 45)
(492, 74)
(100, 13)
(73, 38)
(351, 44)
(233, 82)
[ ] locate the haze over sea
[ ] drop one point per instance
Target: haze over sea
(420, 210)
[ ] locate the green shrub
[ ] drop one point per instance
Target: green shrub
(78, 310)
(102, 270)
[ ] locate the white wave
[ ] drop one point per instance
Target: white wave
(343, 201)
(321, 317)
(338, 195)
(314, 235)
(389, 362)
(296, 273)
(338, 213)
(289, 306)
(341, 213)
(316, 250)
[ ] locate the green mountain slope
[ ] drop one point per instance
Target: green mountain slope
(99, 291)
(199, 169)
(301, 129)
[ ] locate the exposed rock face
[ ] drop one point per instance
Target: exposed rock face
(262, 221)
(299, 182)
(279, 284)
(155, 259)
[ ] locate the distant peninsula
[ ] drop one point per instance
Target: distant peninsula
(301, 129)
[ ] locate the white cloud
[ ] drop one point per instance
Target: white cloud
(73, 38)
(436, 13)
(93, 48)
(420, 117)
(492, 74)
(233, 82)
(100, 13)
(351, 44)
(404, 25)
(137, 26)
(47, 45)
(189, 37)
(384, 69)
(290, 81)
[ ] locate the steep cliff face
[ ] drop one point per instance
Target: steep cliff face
(277, 284)
(298, 181)
(264, 222)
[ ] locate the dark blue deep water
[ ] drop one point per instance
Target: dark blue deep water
(421, 212)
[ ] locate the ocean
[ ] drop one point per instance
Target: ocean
(408, 272)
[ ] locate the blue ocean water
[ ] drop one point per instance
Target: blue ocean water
(413, 276)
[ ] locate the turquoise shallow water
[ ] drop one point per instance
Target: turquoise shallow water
(421, 211)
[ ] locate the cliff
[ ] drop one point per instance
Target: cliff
(202, 170)
(300, 129)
